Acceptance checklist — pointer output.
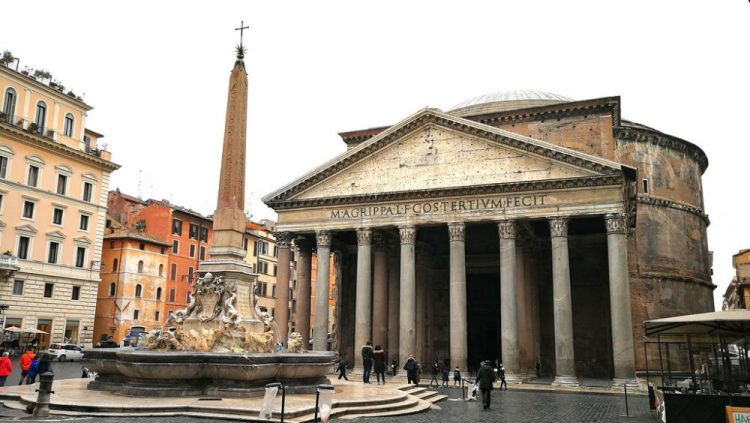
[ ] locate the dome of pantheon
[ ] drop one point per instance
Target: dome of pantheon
(501, 101)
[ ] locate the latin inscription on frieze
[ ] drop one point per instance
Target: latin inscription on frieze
(430, 207)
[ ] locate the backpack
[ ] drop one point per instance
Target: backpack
(34, 369)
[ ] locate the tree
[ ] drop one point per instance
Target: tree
(7, 58)
(42, 74)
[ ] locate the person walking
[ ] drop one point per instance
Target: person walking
(435, 369)
(485, 378)
(501, 373)
(456, 376)
(367, 361)
(411, 368)
(341, 369)
(6, 367)
(378, 358)
(446, 373)
(26, 359)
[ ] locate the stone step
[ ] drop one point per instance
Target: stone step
(408, 405)
(421, 407)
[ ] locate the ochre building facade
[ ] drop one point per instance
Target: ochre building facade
(519, 226)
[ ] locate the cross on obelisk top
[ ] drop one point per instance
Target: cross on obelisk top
(242, 29)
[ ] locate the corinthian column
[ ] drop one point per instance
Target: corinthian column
(304, 254)
(380, 293)
(508, 298)
(565, 373)
(283, 243)
(393, 303)
(363, 308)
(457, 296)
(320, 330)
(407, 339)
(619, 301)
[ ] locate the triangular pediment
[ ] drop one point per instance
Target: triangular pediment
(432, 151)
(56, 234)
(82, 240)
(27, 228)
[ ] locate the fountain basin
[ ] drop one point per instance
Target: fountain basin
(179, 373)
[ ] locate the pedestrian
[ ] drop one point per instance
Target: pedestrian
(6, 367)
(411, 368)
(378, 358)
(33, 371)
(342, 369)
(435, 368)
(456, 376)
(367, 361)
(485, 378)
(35, 344)
(501, 373)
(446, 373)
(394, 365)
(26, 359)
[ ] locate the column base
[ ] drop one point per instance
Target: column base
(514, 377)
(630, 383)
(566, 381)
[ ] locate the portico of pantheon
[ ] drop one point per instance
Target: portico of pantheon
(520, 226)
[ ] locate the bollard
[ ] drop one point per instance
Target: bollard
(627, 413)
(41, 409)
(317, 398)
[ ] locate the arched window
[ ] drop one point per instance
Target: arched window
(68, 126)
(158, 294)
(161, 270)
(9, 107)
(140, 266)
(114, 265)
(41, 116)
(138, 290)
(112, 288)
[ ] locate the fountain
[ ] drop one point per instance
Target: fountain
(223, 344)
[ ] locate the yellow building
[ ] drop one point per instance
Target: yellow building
(262, 255)
(54, 179)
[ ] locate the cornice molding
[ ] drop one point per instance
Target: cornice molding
(644, 135)
(663, 202)
(676, 278)
(609, 105)
(528, 186)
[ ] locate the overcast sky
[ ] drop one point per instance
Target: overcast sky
(157, 74)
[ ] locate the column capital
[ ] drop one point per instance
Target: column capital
(457, 231)
(364, 237)
(323, 238)
(283, 239)
(507, 229)
(615, 223)
(558, 227)
(408, 234)
(379, 240)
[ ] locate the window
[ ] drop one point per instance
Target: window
(136, 314)
(84, 223)
(41, 116)
(191, 250)
(175, 247)
(161, 250)
(173, 272)
(76, 293)
(157, 315)
(54, 249)
(28, 209)
(88, 190)
(138, 290)
(62, 184)
(275, 269)
(193, 232)
(176, 227)
(204, 234)
(48, 289)
(18, 287)
(645, 185)
(261, 247)
(57, 216)
(262, 267)
(244, 244)
(87, 142)
(158, 294)
(202, 254)
(171, 295)
(68, 126)
(112, 288)
(33, 176)
(273, 291)
(23, 247)
(142, 246)
(187, 297)
(114, 265)
(262, 289)
(190, 275)
(161, 270)
(9, 108)
(80, 256)
(3, 166)
(140, 266)
(275, 251)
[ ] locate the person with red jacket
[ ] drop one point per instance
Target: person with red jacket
(5, 366)
(26, 360)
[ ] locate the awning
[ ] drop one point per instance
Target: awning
(716, 323)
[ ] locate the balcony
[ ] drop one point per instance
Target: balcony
(25, 125)
(8, 266)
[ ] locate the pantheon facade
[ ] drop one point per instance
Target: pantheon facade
(520, 226)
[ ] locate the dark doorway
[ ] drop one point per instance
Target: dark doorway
(483, 307)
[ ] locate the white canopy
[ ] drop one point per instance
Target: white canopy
(718, 323)
(14, 329)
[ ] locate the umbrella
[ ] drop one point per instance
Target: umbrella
(13, 329)
(722, 323)
(33, 330)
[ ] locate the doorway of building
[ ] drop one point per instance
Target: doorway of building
(483, 315)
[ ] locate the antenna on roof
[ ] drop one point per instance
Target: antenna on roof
(140, 180)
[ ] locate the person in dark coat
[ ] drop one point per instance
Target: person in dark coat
(485, 378)
(435, 368)
(378, 358)
(446, 369)
(367, 362)
(501, 373)
(342, 369)
(411, 368)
